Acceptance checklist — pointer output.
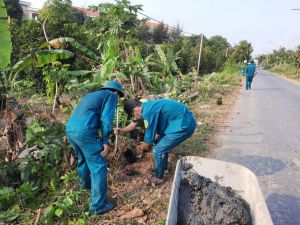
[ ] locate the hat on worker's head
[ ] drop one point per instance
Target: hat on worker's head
(113, 86)
(251, 60)
(130, 104)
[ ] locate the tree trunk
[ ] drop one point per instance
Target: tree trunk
(14, 128)
(55, 97)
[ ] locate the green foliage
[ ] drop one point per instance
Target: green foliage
(5, 39)
(27, 191)
(43, 167)
(27, 37)
(11, 214)
(14, 9)
(7, 194)
(42, 133)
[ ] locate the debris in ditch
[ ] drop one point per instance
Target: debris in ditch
(203, 202)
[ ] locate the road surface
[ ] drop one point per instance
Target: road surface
(263, 134)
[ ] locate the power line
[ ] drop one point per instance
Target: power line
(149, 17)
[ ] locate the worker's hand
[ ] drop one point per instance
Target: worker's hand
(105, 150)
(141, 148)
(117, 131)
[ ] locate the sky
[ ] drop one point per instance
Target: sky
(266, 24)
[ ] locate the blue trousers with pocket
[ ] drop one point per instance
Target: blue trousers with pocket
(248, 82)
(167, 143)
(91, 168)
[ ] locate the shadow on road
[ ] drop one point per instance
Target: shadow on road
(284, 209)
(261, 165)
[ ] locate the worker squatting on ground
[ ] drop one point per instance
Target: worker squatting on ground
(93, 113)
(250, 72)
(168, 121)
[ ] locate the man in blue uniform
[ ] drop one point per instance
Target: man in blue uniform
(166, 120)
(94, 113)
(250, 71)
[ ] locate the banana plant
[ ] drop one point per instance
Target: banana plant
(168, 61)
(37, 59)
(137, 68)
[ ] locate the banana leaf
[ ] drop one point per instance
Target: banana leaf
(106, 69)
(5, 39)
(111, 50)
(64, 42)
(41, 58)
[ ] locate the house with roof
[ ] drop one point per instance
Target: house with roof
(29, 12)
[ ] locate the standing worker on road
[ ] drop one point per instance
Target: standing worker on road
(93, 113)
(250, 72)
(169, 120)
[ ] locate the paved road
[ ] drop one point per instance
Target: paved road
(263, 134)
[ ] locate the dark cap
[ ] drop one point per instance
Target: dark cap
(130, 104)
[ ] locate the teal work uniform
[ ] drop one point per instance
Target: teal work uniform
(93, 113)
(174, 123)
(250, 71)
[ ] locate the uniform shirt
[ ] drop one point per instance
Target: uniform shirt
(95, 111)
(250, 70)
(164, 116)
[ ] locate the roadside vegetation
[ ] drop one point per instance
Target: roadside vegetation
(283, 61)
(44, 73)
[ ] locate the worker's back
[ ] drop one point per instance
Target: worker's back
(250, 70)
(169, 115)
(87, 115)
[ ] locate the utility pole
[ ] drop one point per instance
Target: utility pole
(200, 51)
(226, 54)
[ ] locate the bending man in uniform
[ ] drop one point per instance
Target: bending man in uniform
(169, 120)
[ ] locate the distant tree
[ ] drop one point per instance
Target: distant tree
(143, 32)
(218, 44)
(63, 21)
(118, 20)
(175, 34)
(242, 51)
(14, 9)
(56, 11)
(160, 34)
